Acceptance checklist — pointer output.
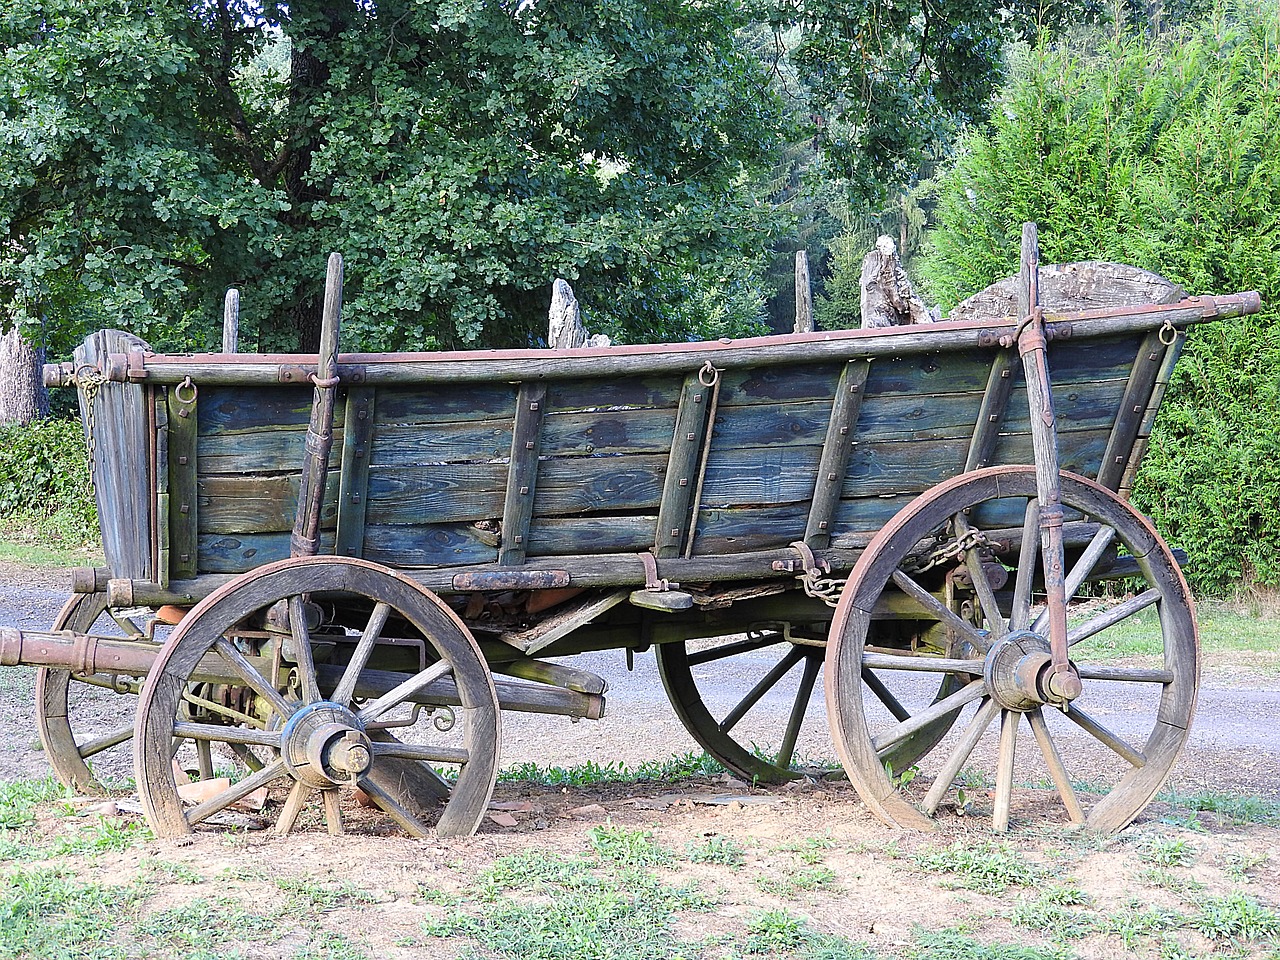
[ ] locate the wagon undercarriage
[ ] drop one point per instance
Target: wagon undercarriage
(338, 573)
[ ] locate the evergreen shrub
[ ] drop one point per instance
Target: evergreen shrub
(44, 476)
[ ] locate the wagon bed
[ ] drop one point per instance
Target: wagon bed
(527, 505)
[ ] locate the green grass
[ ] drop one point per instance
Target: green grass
(1235, 917)
(792, 883)
(986, 867)
(1167, 851)
(721, 850)
(1223, 630)
(1055, 913)
(19, 799)
(954, 944)
(310, 896)
(192, 927)
(48, 913)
(1238, 808)
(681, 767)
(632, 848)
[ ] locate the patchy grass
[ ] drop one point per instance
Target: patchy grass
(682, 767)
(987, 867)
(1226, 630)
(47, 912)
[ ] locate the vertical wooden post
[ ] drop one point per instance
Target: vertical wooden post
(804, 294)
(231, 321)
(305, 541)
(1033, 348)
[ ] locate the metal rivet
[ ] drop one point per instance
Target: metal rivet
(533, 405)
(355, 498)
(528, 444)
(697, 398)
(689, 438)
(185, 508)
(182, 461)
(184, 413)
(519, 539)
(1004, 374)
(1119, 459)
(831, 476)
(184, 557)
(822, 525)
(524, 491)
(993, 418)
(844, 431)
(1137, 408)
(675, 531)
(684, 481)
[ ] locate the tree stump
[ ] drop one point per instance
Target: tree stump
(888, 299)
(1074, 286)
(564, 329)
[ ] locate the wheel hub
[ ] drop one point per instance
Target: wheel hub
(324, 744)
(1019, 673)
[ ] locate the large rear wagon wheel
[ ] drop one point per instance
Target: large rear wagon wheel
(1101, 756)
(330, 725)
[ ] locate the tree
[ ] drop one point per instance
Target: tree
(1162, 152)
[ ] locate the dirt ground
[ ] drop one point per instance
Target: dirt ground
(880, 890)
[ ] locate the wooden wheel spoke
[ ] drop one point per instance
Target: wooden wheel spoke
(968, 741)
(885, 695)
(403, 691)
(346, 687)
(804, 692)
(333, 812)
(250, 675)
(246, 756)
(302, 653)
(236, 791)
(939, 609)
(1109, 618)
(1106, 736)
(421, 751)
(106, 741)
(921, 664)
(131, 629)
(393, 806)
(1020, 615)
(204, 759)
(204, 732)
(734, 649)
(1081, 569)
(763, 686)
(936, 711)
(981, 585)
(1004, 770)
(1125, 674)
(292, 808)
(1054, 762)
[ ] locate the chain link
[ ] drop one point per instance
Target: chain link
(89, 380)
(948, 552)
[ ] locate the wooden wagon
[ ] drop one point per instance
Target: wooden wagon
(339, 570)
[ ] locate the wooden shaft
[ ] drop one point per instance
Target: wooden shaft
(231, 322)
(305, 541)
(656, 359)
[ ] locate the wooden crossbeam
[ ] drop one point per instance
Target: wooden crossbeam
(837, 447)
(522, 473)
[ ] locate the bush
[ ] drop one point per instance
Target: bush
(1165, 154)
(44, 479)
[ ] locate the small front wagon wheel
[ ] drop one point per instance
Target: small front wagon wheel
(1099, 756)
(322, 705)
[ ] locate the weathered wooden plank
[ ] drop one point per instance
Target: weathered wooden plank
(837, 445)
(760, 475)
(244, 408)
(680, 483)
(1133, 410)
(737, 529)
(227, 553)
(801, 423)
(778, 384)
(449, 441)
(1171, 355)
(569, 395)
(256, 504)
(570, 536)
(183, 494)
(608, 431)
(522, 475)
(445, 402)
(353, 491)
(429, 545)
(599, 484)
(436, 493)
(119, 442)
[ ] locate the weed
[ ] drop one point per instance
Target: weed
(680, 767)
(443, 898)
(166, 872)
(1235, 917)
(952, 944)
(721, 850)
(104, 834)
(1238, 808)
(1051, 913)
(314, 895)
(1184, 887)
(1133, 922)
(330, 946)
(796, 882)
(196, 923)
(775, 931)
(19, 799)
(987, 867)
(1239, 865)
(1167, 851)
(49, 914)
(627, 847)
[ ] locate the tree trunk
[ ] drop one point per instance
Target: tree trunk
(22, 393)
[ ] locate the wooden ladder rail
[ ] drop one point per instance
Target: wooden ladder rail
(837, 449)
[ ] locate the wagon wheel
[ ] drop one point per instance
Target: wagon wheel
(332, 725)
(1004, 667)
(785, 699)
(65, 705)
